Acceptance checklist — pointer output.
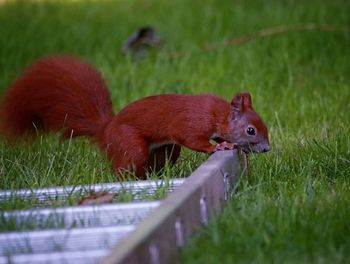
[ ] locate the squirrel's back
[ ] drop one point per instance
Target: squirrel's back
(58, 93)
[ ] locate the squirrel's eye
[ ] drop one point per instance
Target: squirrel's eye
(251, 131)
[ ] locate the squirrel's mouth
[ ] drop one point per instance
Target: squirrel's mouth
(246, 150)
(254, 148)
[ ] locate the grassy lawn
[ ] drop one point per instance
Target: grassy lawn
(295, 205)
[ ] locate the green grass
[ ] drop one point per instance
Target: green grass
(294, 209)
(294, 206)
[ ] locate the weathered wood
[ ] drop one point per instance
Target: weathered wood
(157, 239)
(70, 257)
(62, 240)
(81, 216)
(52, 193)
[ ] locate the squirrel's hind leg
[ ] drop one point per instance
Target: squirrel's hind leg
(160, 155)
(127, 150)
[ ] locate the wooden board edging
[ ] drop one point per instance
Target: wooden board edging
(159, 236)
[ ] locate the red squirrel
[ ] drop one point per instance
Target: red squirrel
(62, 93)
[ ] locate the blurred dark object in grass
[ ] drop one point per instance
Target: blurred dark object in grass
(140, 41)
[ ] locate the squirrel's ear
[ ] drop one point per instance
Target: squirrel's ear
(247, 100)
(237, 104)
(240, 102)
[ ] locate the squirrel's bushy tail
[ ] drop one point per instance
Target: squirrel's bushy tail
(56, 93)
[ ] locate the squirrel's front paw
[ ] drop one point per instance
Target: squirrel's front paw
(225, 146)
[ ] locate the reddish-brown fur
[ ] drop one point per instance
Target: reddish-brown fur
(61, 93)
(55, 93)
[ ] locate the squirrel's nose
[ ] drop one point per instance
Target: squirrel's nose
(266, 148)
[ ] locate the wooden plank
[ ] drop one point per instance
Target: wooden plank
(62, 240)
(81, 216)
(157, 239)
(70, 257)
(51, 193)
